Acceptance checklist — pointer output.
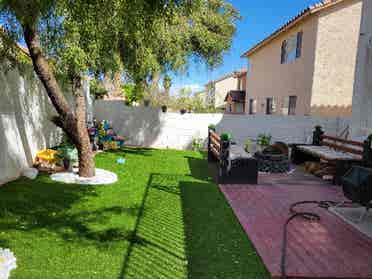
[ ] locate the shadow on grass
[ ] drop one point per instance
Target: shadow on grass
(185, 229)
(202, 169)
(157, 247)
(134, 150)
(42, 204)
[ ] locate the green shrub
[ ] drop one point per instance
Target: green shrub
(264, 139)
(197, 144)
(248, 145)
(67, 152)
(212, 126)
(97, 89)
(225, 136)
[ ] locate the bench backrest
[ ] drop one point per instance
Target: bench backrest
(349, 146)
(214, 144)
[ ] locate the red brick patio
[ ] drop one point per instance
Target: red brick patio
(330, 249)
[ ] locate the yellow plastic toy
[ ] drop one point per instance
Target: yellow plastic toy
(47, 157)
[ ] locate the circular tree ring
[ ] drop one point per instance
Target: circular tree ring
(102, 177)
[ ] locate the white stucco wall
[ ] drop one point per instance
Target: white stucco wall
(24, 121)
(362, 98)
(152, 128)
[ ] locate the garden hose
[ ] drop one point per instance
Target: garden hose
(309, 216)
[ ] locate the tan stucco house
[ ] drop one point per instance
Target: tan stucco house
(229, 92)
(307, 66)
(362, 100)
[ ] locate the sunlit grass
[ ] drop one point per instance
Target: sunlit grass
(165, 218)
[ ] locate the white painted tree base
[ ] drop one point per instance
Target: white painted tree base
(103, 177)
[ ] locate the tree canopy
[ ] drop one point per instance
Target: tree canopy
(203, 32)
(69, 39)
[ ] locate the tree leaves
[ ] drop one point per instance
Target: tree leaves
(140, 37)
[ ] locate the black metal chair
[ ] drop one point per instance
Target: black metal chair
(357, 187)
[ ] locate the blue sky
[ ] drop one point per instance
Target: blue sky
(260, 19)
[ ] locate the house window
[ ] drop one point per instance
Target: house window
(239, 84)
(291, 48)
(270, 105)
(289, 105)
(292, 105)
(252, 106)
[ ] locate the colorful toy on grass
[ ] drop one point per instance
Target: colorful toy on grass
(107, 138)
(121, 161)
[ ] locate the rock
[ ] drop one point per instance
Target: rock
(30, 173)
(7, 263)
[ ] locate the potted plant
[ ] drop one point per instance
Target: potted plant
(367, 151)
(248, 146)
(212, 127)
(68, 155)
(369, 138)
(225, 137)
(317, 135)
(263, 140)
(164, 108)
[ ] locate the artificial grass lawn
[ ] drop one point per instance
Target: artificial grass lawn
(165, 218)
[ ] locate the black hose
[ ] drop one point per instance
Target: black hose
(309, 216)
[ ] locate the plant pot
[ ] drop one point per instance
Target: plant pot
(164, 109)
(146, 103)
(67, 165)
(259, 148)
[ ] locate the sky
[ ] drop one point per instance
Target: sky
(259, 19)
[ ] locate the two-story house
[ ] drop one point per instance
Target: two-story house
(229, 92)
(307, 66)
(362, 99)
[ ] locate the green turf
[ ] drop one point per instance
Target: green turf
(165, 218)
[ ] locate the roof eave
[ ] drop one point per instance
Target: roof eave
(290, 24)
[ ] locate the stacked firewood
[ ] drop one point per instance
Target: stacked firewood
(322, 169)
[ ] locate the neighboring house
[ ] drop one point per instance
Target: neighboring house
(227, 92)
(307, 66)
(235, 101)
(202, 95)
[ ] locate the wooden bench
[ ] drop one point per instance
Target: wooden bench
(333, 148)
(235, 166)
(336, 154)
(214, 146)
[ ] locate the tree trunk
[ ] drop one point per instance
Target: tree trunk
(86, 158)
(73, 125)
